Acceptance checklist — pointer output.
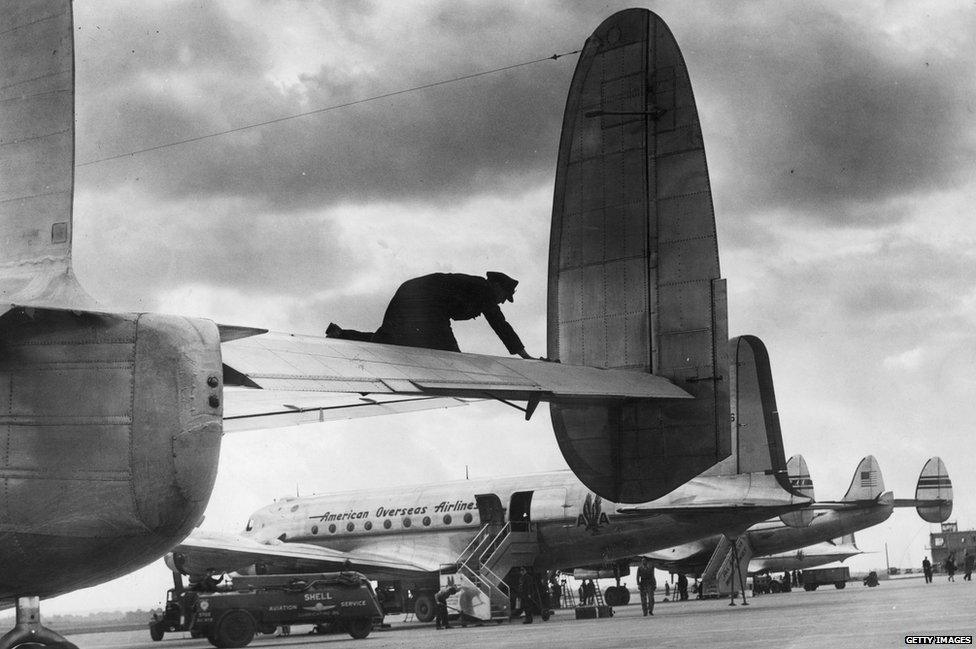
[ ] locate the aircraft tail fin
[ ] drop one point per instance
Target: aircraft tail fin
(757, 440)
(634, 279)
(37, 154)
(801, 483)
(847, 539)
(867, 483)
(933, 493)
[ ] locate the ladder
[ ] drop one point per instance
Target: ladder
(727, 567)
(482, 564)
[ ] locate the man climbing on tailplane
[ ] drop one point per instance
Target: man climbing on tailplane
(421, 311)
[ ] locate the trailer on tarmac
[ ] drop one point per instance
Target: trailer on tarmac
(837, 576)
(231, 616)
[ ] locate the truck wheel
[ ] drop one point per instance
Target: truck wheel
(809, 587)
(156, 632)
(839, 585)
(423, 607)
(359, 627)
(235, 629)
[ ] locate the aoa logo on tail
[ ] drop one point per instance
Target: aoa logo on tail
(591, 517)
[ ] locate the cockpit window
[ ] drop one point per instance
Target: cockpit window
(250, 525)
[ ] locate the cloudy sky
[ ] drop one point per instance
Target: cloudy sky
(841, 140)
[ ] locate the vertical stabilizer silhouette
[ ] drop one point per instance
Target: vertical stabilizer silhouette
(633, 264)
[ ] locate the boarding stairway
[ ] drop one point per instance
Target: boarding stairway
(722, 577)
(483, 564)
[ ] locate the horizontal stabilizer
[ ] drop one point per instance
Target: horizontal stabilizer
(277, 361)
(885, 499)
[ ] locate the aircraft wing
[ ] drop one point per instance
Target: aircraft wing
(203, 552)
(252, 408)
(293, 363)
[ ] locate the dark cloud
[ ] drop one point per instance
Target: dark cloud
(498, 131)
(824, 112)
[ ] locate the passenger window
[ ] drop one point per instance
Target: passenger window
(447, 519)
(315, 529)
(406, 522)
(368, 525)
(426, 521)
(350, 527)
(468, 518)
(332, 528)
(387, 524)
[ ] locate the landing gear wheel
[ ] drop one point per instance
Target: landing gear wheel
(423, 608)
(28, 632)
(623, 596)
(156, 632)
(610, 596)
(359, 627)
(267, 629)
(235, 629)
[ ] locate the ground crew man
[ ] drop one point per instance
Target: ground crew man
(927, 570)
(646, 584)
(526, 589)
(440, 604)
(421, 311)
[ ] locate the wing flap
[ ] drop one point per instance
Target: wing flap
(254, 409)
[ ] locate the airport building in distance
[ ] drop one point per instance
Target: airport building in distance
(951, 541)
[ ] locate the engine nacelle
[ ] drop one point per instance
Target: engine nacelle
(110, 442)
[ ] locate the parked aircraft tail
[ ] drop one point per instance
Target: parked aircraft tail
(867, 483)
(634, 278)
(933, 493)
(37, 157)
(847, 539)
(757, 440)
(800, 481)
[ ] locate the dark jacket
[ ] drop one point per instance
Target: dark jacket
(420, 313)
(645, 578)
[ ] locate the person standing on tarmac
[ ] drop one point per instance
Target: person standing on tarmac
(526, 586)
(421, 311)
(968, 562)
(440, 605)
(927, 570)
(682, 587)
(646, 584)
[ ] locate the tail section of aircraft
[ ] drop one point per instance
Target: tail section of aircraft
(867, 483)
(37, 154)
(634, 278)
(757, 439)
(847, 539)
(113, 420)
(800, 482)
(933, 493)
